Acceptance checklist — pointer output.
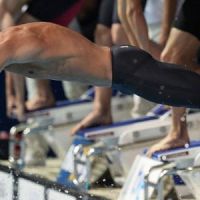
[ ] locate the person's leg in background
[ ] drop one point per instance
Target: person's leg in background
(44, 96)
(153, 15)
(182, 48)
(101, 113)
(131, 15)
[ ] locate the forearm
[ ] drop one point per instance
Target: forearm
(72, 57)
(169, 11)
(123, 18)
(6, 17)
(137, 23)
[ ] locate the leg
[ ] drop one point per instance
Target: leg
(44, 96)
(101, 113)
(176, 51)
(19, 92)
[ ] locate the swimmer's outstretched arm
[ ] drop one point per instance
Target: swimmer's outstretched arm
(44, 50)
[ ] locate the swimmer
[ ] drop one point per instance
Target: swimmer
(34, 50)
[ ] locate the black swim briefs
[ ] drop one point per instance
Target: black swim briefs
(134, 71)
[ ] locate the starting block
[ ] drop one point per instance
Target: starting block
(148, 175)
(74, 110)
(124, 136)
(187, 168)
(189, 152)
(108, 137)
(116, 129)
(115, 140)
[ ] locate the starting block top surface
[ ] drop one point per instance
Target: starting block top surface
(191, 146)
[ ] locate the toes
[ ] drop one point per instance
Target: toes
(150, 152)
(77, 128)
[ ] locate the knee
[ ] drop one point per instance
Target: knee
(103, 35)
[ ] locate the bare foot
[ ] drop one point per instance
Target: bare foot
(39, 102)
(94, 118)
(169, 142)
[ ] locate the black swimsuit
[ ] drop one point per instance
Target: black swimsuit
(135, 72)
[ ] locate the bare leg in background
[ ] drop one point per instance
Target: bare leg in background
(178, 52)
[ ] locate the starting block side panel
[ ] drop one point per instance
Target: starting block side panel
(134, 185)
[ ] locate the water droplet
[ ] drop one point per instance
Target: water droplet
(183, 118)
(162, 87)
(187, 145)
(135, 61)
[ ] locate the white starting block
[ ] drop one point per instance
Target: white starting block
(74, 110)
(123, 136)
(147, 175)
(189, 152)
(108, 136)
(135, 125)
(134, 187)
(187, 166)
